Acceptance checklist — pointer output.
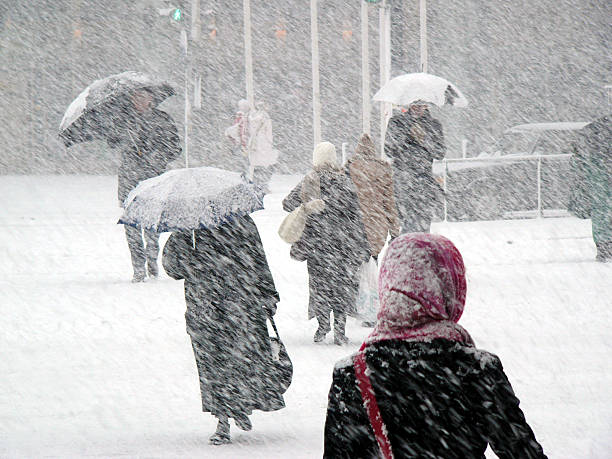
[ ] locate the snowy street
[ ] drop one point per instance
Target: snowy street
(93, 365)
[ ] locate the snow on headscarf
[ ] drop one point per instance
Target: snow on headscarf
(422, 291)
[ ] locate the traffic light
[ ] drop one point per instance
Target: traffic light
(177, 14)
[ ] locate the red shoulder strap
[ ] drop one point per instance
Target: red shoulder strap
(371, 406)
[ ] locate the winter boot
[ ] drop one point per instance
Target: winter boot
(139, 276)
(222, 435)
(319, 335)
(243, 422)
(323, 329)
(340, 338)
(152, 268)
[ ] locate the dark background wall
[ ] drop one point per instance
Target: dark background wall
(519, 61)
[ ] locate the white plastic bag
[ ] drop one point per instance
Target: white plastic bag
(367, 300)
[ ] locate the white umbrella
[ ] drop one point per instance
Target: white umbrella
(412, 87)
(190, 199)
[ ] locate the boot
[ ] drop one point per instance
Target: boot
(139, 275)
(323, 329)
(319, 335)
(243, 422)
(340, 338)
(222, 435)
(152, 268)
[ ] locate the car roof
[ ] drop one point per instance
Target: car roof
(538, 127)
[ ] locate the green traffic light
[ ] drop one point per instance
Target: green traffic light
(177, 15)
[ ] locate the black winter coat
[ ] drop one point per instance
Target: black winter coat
(227, 285)
(438, 400)
(334, 244)
(413, 144)
(148, 142)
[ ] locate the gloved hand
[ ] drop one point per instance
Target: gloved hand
(270, 309)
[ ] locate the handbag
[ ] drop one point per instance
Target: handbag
(293, 225)
(282, 367)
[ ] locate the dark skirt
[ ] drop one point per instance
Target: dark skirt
(234, 359)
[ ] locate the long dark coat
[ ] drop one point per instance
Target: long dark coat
(148, 142)
(439, 399)
(227, 284)
(413, 144)
(591, 195)
(334, 243)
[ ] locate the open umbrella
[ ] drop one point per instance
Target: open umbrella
(190, 199)
(412, 87)
(90, 115)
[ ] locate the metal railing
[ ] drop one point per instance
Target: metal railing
(500, 159)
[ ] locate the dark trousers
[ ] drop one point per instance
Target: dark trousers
(142, 250)
(323, 318)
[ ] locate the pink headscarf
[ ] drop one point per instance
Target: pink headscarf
(422, 291)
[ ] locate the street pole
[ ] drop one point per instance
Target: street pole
(423, 20)
(365, 70)
(384, 39)
(185, 45)
(316, 94)
(248, 56)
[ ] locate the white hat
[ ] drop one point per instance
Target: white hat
(324, 153)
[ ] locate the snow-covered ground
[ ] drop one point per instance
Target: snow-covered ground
(92, 365)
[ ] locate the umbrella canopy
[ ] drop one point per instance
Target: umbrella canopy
(190, 199)
(412, 87)
(90, 115)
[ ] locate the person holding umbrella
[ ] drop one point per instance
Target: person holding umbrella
(413, 141)
(148, 139)
(216, 249)
(121, 110)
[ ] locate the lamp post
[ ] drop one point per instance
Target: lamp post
(316, 93)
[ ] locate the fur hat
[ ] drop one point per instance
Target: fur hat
(324, 154)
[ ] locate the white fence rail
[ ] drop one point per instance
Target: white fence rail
(456, 164)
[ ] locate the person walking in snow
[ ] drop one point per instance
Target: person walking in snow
(148, 139)
(252, 130)
(592, 187)
(229, 289)
(334, 243)
(414, 139)
(418, 387)
(373, 180)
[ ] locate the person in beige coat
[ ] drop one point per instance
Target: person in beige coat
(373, 179)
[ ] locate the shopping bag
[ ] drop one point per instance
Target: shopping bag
(367, 299)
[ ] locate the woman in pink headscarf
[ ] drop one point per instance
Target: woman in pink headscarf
(418, 387)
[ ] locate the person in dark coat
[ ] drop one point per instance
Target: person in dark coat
(591, 195)
(229, 289)
(148, 140)
(419, 387)
(413, 140)
(334, 243)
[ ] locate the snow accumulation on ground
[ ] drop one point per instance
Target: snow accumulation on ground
(93, 365)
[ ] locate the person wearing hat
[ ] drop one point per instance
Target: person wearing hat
(333, 243)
